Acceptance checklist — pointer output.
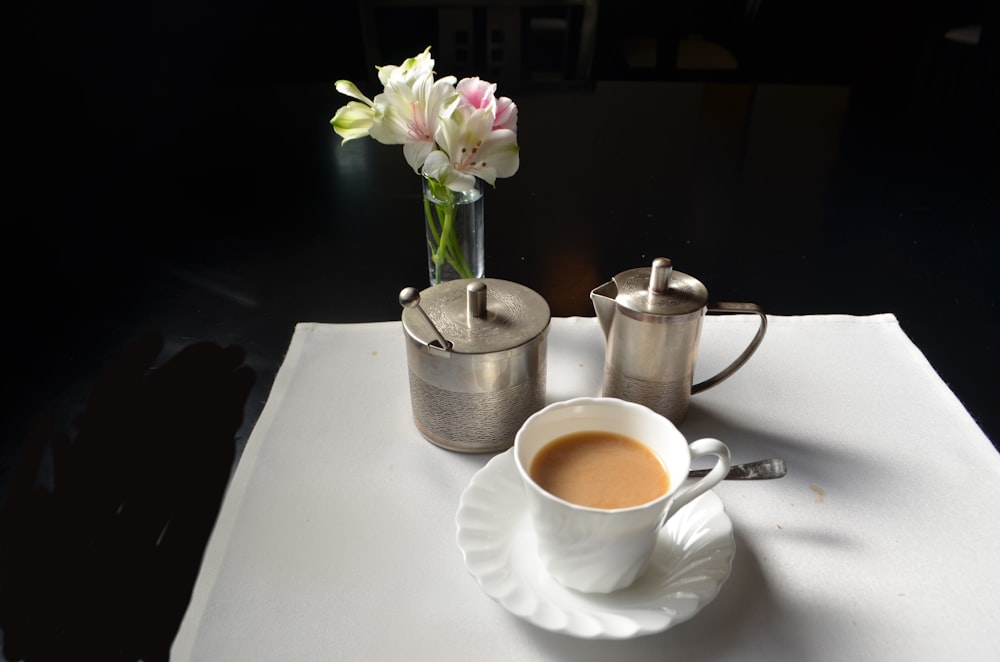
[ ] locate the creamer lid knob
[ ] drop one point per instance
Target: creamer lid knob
(659, 290)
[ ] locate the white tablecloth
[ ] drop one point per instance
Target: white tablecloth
(336, 540)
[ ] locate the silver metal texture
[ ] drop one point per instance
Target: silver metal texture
(773, 467)
(652, 319)
(474, 395)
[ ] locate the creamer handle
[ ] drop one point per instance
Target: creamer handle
(730, 308)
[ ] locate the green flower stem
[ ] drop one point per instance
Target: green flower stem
(440, 220)
(431, 216)
(447, 212)
(451, 248)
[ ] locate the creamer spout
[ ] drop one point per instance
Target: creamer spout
(603, 298)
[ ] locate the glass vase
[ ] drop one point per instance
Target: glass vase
(455, 231)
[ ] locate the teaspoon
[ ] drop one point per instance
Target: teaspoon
(760, 470)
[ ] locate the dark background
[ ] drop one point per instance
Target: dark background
(140, 160)
(168, 167)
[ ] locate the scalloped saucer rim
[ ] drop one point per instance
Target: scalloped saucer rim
(691, 562)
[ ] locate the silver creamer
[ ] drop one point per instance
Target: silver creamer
(652, 318)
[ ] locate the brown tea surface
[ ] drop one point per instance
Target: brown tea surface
(600, 470)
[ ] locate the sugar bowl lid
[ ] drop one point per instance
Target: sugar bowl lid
(660, 290)
(474, 315)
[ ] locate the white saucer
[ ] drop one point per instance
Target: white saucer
(692, 559)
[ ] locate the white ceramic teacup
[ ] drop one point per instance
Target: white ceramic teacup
(602, 550)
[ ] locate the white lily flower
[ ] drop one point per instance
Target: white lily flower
(353, 120)
(473, 148)
(356, 120)
(407, 113)
(347, 88)
(408, 72)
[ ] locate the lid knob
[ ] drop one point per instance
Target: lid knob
(475, 300)
(409, 297)
(659, 276)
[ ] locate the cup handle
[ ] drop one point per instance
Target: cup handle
(728, 307)
(688, 493)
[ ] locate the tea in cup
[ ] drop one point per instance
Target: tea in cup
(602, 476)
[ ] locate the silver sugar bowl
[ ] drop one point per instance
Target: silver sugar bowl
(476, 355)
